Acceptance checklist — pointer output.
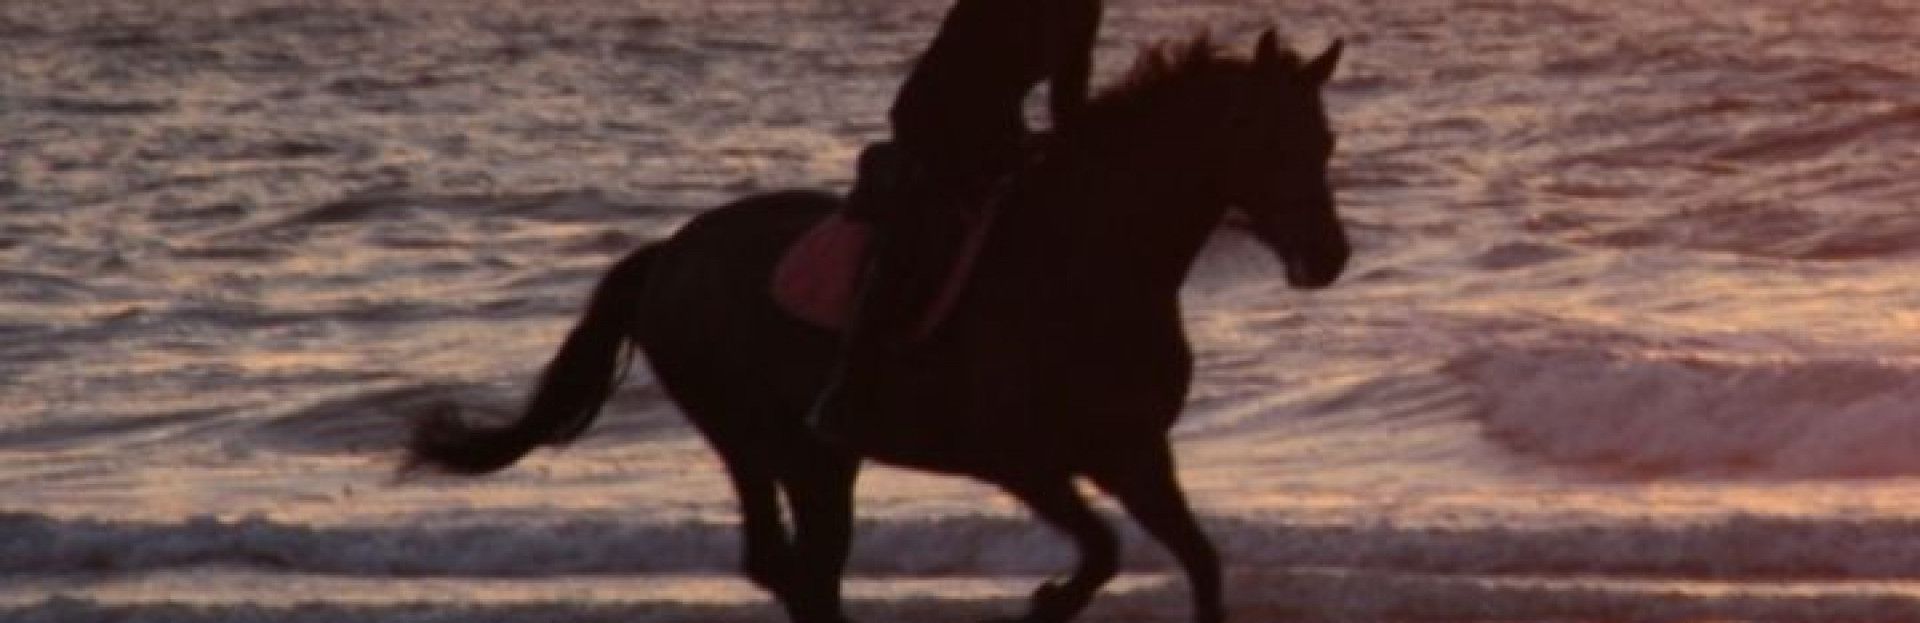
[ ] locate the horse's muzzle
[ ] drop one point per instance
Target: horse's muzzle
(1315, 268)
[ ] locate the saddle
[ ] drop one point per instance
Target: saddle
(818, 278)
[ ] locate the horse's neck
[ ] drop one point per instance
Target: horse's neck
(1115, 226)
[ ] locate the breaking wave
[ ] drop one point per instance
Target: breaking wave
(1667, 413)
(1746, 546)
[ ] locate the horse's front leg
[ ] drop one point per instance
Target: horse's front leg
(1055, 500)
(820, 492)
(1142, 477)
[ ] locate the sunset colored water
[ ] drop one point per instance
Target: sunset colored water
(1632, 331)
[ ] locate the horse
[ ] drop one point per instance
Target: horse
(1063, 356)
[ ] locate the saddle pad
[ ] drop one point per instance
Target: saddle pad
(818, 278)
(819, 275)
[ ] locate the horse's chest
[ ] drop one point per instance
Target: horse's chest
(1082, 362)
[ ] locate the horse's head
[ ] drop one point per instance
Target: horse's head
(1275, 167)
(1200, 129)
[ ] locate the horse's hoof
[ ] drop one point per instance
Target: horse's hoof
(1047, 598)
(1019, 619)
(1046, 606)
(837, 619)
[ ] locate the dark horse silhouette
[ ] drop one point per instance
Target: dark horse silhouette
(1064, 356)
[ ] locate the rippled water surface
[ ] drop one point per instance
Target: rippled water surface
(1632, 332)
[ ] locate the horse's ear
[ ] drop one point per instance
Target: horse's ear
(1266, 53)
(1321, 68)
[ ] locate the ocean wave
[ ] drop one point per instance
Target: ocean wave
(72, 610)
(1655, 413)
(1805, 232)
(82, 105)
(24, 286)
(1740, 547)
(1305, 594)
(318, 20)
(1264, 595)
(361, 421)
(584, 205)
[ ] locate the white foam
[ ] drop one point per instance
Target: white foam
(1666, 413)
(1318, 593)
(1735, 547)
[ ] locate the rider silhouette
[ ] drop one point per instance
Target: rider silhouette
(958, 129)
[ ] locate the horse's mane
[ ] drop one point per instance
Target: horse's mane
(1168, 70)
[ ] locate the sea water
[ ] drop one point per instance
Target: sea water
(1632, 331)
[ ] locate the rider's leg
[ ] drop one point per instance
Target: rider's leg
(919, 220)
(843, 412)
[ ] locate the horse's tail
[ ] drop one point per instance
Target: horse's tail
(579, 379)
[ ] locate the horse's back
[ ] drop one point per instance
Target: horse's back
(759, 222)
(709, 325)
(713, 274)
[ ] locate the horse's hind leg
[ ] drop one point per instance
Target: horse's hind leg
(1056, 501)
(1144, 482)
(820, 492)
(767, 558)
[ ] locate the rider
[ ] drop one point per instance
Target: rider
(958, 130)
